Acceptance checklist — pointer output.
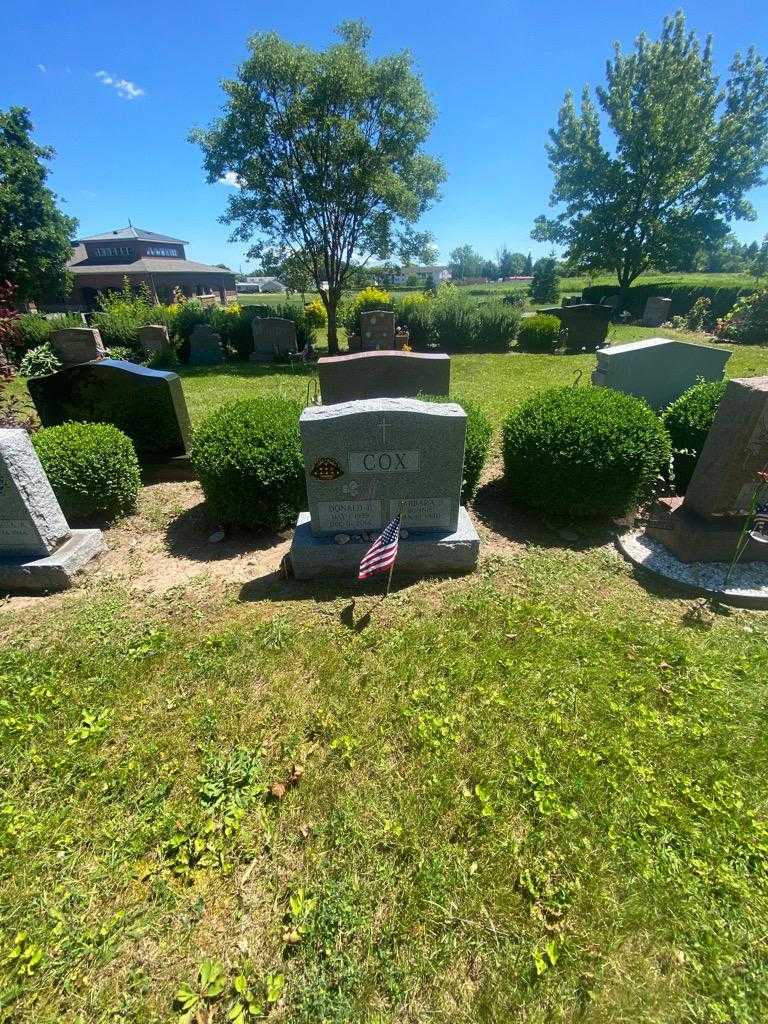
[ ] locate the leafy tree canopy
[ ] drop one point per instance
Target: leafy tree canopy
(685, 152)
(465, 262)
(35, 236)
(326, 147)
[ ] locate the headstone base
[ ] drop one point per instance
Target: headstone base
(57, 570)
(692, 538)
(423, 554)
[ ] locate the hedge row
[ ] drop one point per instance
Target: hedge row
(683, 296)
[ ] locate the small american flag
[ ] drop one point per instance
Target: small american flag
(381, 555)
(759, 531)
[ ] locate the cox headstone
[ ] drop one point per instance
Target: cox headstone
(38, 551)
(366, 461)
(383, 375)
(77, 345)
(377, 330)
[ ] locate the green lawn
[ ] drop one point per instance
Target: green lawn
(535, 794)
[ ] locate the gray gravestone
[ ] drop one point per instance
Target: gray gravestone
(658, 369)
(77, 345)
(735, 451)
(38, 551)
(205, 347)
(657, 311)
(383, 375)
(377, 330)
(366, 461)
(272, 336)
(153, 338)
(706, 525)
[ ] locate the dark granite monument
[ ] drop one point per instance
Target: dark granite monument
(273, 336)
(383, 375)
(377, 330)
(657, 311)
(147, 405)
(586, 324)
(205, 348)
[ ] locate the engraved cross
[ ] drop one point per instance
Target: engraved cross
(383, 431)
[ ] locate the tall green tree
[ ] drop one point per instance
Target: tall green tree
(465, 262)
(35, 236)
(326, 148)
(683, 154)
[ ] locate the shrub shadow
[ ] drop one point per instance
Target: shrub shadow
(495, 510)
(187, 536)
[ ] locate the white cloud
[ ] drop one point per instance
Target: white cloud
(230, 179)
(42, 69)
(127, 90)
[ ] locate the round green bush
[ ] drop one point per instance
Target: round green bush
(688, 420)
(539, 333)
(583, 451)
(477, 443)
(249, 460)
(92, 467)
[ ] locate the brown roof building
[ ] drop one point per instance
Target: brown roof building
(101, 262)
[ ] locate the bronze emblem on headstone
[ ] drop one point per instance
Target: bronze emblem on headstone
(326, 468)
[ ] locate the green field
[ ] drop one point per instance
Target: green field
(535, 794)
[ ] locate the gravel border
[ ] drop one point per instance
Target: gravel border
(747, 587)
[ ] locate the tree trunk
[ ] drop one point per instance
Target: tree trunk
(333, 338)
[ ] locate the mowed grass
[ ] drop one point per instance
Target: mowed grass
(535, 794)
(538, 794)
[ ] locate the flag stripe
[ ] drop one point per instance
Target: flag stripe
(382, 553)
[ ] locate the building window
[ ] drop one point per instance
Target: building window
(161, 250)
(113, 250)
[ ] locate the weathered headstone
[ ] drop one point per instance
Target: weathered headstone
(383, 375)
(707, 524)
(273, 336)
(38, 551)
(153, 338)
(367, 460)
(377, 330)
(657, 311)
(147, 405)
(658, 369)
(75, 345)
(205, 347)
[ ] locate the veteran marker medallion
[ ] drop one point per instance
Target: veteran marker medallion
(326, 468)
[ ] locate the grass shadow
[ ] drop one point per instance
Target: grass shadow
(187, 536)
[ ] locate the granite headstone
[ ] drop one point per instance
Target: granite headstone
(706, 524)
(75, 345)
(272, 336)
(147, 405)
(38, 551)
(383, 375)
(153, 338)
(586, 323)
(366, 461)
(377, 330)
(657, 311)
(205, 347)
(658, 369)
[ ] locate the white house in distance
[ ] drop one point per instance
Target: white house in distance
(259, 284)
(437, 273)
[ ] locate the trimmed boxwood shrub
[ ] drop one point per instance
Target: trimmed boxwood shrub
(477, 443)
(688, 420)
(249, 460)
(92, 467)
(539, 333)
(583, 451)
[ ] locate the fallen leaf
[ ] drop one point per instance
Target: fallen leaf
(277, 790)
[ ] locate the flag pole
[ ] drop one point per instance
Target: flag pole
(392, 567)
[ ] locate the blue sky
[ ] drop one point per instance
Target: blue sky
(115, 88)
